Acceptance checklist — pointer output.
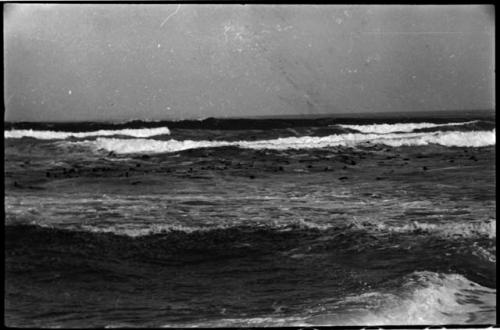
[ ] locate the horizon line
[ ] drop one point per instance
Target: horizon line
(263, 117)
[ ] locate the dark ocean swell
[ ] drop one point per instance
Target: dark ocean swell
(342, 244)
(234, 272)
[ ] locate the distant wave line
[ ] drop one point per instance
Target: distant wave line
(54, 135)
(400, 127)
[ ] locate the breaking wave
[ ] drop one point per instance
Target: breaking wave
(458, 139)
(58, 135)
(423, 298)
(399, 127)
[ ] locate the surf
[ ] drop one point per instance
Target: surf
(151, 146)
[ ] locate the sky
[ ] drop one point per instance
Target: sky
(114, 62)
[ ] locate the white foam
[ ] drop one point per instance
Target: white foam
(470, 229)
(137, 231)
(485, 229)
(459, 139)
(449, 139)
(399, 127)
(128, 146)
(125, 230)
(53, 135)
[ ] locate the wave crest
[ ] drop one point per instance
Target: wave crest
(457, 139)
(53, 135)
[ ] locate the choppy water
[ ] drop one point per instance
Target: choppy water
(324, 222)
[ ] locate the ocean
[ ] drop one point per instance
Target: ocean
(347, 220)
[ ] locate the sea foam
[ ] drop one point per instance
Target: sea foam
(486, 228)
(53, 135)
(399, 127)
(453, 138)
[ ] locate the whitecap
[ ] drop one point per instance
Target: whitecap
(59, 135)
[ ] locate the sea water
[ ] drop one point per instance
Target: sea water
(270, 222)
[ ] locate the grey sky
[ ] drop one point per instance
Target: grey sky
(121, 62)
